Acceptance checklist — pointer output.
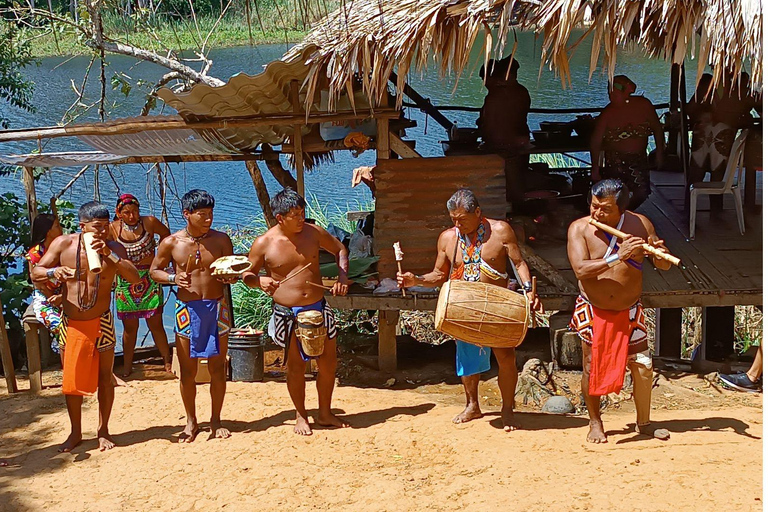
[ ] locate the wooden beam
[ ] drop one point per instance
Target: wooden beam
(5, 355)
(298, 151)
(382, 139)
(120, 127)
(401, 148)
(546, 268)
(388, 320)
(32, 339)
(28, 178)
(261, 192)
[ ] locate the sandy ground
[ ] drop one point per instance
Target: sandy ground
(403, 453)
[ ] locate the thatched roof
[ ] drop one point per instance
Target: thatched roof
(372, 38)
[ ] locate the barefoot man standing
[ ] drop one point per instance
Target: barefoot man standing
(479, 248)
(87, 333)
(203, 318)
(608, 316)
(283, 251)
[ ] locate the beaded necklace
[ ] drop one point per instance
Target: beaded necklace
(470, 252)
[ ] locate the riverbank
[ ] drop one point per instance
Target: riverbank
(230, 32)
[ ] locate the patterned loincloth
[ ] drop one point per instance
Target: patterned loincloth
(283, 322)
(140, 300)
(182, 327)
(106, 340)
(581, 323)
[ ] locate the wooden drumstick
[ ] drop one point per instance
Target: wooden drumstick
(190, 262)
(318, 285)
(647, 247)
(294, 274)
(399, 258)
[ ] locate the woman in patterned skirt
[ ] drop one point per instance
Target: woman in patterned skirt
(144, 299)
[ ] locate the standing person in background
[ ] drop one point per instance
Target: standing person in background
(144, 299)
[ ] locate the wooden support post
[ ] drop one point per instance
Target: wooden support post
(261, 191)
(401, 148)
(382, 139)
(28, 178)
(298, 152)
(33, 357)
(669, 327)
(388, 320)
(717, 326)
(5, 355)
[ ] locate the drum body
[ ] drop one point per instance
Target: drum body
(482, 314)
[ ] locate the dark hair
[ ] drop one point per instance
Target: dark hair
(93, 211)
(285, 201)
(40, 228)
(614, 188)
(463, 198)
(197, 199)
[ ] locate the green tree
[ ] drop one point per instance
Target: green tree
(15, 54)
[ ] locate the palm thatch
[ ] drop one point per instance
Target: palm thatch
(368, 39)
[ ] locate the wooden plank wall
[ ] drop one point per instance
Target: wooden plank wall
(410, 203)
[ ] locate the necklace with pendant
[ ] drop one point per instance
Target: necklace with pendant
(197, 239)
(130, 228)
(78, 274)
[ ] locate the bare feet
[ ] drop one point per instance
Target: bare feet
(648, 430)
(3, 463)
(302, 426)
(127, 370)
(169, 365)
(329, 419)
(596, 433)
(507, 418)
(72, 441)
(472, 412)
(105, 441)
(117, 381)
(190, 432)
(218, 432)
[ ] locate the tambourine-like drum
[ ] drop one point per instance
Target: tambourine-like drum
(482, 314)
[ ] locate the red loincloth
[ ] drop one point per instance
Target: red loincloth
(610, 349)
(81, 359)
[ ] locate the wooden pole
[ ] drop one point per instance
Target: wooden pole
(388, 339)
(29, 186)
(298, 151)
(5, 354)
(261, 191)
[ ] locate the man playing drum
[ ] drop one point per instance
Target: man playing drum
(609, 317)
(477, 249)
(302, 321)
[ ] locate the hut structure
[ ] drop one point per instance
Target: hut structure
(342, 72)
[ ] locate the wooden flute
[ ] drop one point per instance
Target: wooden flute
(647, 247)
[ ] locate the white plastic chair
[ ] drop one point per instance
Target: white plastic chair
(729, 185)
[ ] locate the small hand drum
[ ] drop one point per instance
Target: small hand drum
(229, 267)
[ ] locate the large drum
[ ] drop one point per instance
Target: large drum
(482, 314)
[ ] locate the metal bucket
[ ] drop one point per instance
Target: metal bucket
(246, 355)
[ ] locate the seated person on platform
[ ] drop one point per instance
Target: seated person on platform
(715, 128)
(503, 120)
(46, 298)
(621, 132)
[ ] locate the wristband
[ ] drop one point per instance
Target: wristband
(612, 260)
(114, 258)
(528, 287)
(51, 273)
(172, 278)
